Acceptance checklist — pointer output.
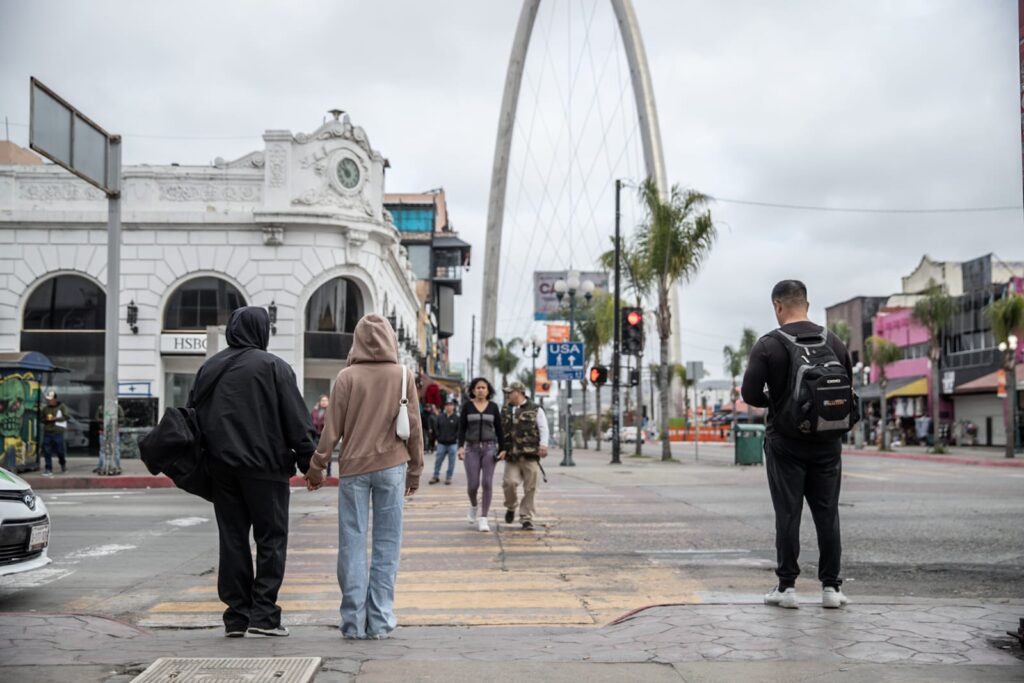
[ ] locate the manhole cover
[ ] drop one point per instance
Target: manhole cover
(224, 670)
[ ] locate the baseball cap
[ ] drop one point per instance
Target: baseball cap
(516, 386)
(50, 395)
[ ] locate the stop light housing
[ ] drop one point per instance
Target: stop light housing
(598, 375)
(634, 377)
(632, 331)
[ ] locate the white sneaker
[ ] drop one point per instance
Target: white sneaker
(833, 598)
(482, 525)
(786, 598)
(471, 517)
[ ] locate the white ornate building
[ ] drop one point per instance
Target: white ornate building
(298, 227)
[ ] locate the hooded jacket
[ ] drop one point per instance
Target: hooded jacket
(364, 406)
(255, 423)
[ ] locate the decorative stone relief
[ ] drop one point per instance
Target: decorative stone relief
(58, 190)
(250, 160)
(273, 235)
(278, 158)
(208, 192)
(354, 242)
(343, 129)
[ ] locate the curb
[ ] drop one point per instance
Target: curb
(126, 481)
(934, 457)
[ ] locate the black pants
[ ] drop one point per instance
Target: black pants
(242, 504)
(814, 472)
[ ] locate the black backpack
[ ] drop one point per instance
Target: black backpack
(819, 404)
(175, 445)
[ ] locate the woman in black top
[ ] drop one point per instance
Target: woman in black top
(480, 440)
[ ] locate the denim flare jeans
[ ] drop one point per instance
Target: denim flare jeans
(368, 593)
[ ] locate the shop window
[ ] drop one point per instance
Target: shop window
(201, 302)
(331, 317)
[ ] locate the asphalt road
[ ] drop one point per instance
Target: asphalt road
(610, 539)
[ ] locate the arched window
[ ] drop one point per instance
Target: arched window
(64, 320)
(201, 302)
(331, 317)
(66, 302)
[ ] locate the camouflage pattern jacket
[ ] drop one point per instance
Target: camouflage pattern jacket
(522, 435)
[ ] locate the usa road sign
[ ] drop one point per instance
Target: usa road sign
(565, 361)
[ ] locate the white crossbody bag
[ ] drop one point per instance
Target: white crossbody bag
(402, 422)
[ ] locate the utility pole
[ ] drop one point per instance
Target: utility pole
(472, 347)
(616, 381)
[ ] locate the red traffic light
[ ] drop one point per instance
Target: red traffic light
(598, 375)
(634, 318)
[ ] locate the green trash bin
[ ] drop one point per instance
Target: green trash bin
(749, 444)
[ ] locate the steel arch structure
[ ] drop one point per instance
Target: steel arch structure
(650, 134)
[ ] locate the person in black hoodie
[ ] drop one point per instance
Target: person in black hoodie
(256, 429)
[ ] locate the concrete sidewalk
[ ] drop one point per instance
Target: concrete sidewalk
(134, 474)
(869, 641)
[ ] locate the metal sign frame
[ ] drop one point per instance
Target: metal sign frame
(110, 183)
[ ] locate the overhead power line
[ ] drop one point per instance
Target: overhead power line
(851, 209)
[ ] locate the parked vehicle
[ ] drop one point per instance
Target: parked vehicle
(629, 435)
(24, 526)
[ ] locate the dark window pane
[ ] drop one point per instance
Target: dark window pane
(201, 302)
(335, 307)
(66, 302)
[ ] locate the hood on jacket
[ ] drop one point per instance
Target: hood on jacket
(249, 327)
(375, 341)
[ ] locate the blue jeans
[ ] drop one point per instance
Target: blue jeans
(368, 596)
(103, 453)
(53, 444)
(445, 450)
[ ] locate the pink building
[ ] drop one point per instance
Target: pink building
(897, 326)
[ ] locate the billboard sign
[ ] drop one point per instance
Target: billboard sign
(70, 139)
(544, 300)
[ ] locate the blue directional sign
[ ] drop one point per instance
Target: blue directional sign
(565, 361)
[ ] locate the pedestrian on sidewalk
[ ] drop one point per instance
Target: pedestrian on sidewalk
(319, 415)
(802, 462)
(102, 460)
(526, 441)
(55, 425)
(377, 467)
(480, 440)
(446, 427)
(255, 429)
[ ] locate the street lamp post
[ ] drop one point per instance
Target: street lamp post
(1009, 348)
(859, 436)
(533, 350)
(570, 286)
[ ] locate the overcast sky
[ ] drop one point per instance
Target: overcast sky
(869, 104)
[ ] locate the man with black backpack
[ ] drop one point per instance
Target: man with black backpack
(808, 375)
(255, 430)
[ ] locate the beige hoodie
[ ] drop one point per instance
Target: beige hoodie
(364, 407)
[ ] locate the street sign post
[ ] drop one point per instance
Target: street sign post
(694, 374)
(565, 361)
(68, 138)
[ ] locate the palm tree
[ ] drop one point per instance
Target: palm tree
(934, 312)
(526, 377)
(841, 329)
(736, 362)
(639, 279)
(881, 352)
(1007, 318)
(502, 357)
(675, 238)
(595, 326)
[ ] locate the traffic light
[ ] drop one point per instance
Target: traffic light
(632, 331)
(598, 375)
(634, 377)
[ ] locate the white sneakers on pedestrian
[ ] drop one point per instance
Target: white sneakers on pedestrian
(471, 516)
(482, 524)
(785, 598)
(833, 598)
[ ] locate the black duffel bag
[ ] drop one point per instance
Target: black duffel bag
(175, 445)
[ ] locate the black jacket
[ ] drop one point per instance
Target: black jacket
(255, 422)
(446, 429)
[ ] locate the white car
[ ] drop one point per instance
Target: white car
(24, 526)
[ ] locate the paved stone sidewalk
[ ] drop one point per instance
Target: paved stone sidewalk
(947, 641)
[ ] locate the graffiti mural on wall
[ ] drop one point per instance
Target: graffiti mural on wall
(19, 402)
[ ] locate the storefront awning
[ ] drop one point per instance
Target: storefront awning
(988, 384)
(918, 387)
(28, 360)
(893, 388)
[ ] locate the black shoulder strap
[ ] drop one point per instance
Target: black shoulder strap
(216, 378)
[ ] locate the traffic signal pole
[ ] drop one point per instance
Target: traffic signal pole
(616, 361)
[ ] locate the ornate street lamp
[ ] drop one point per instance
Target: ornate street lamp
(570, 285)
(133, 317)
(272, 311)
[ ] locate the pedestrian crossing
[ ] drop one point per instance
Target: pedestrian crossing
(451, 574)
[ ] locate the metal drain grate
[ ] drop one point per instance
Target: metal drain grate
(225, 670)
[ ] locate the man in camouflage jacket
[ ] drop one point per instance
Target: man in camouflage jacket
(526, 441)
